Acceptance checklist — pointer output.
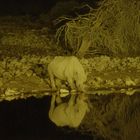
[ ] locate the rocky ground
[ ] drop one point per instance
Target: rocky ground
(105, 75)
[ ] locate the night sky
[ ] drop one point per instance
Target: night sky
(15, 7)
(25, 7)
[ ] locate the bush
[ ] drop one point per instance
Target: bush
(111, 28)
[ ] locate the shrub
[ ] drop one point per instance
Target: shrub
(111, 28)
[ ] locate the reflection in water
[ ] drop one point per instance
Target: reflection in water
(28, 119)
(70, 113)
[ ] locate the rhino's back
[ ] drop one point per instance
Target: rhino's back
(62, 67)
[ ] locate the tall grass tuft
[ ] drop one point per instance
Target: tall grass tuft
(113, 27)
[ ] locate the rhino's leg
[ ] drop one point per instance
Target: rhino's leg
(58, 100)
(71, 83)
(81, 87)
(58, 83)
(72, 100)
(52, 107)
(51, 76)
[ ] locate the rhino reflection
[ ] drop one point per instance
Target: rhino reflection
(69, 114)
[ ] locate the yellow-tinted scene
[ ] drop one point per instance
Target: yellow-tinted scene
(70, 70)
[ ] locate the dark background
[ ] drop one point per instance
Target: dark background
(23, 7)
(19, 7)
